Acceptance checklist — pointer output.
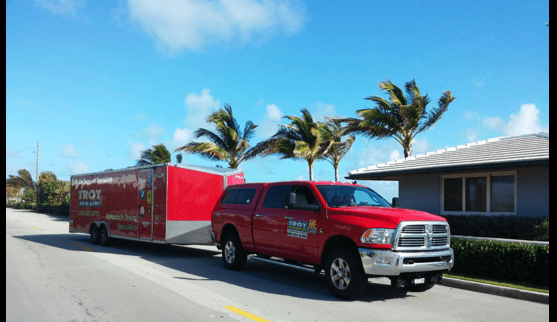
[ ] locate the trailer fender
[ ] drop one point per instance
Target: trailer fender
(100, 224)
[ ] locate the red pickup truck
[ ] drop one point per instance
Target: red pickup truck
(346, 229)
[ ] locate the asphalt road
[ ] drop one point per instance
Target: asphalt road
(52, 275)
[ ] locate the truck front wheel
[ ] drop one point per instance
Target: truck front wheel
(233, 254)
(345, 275)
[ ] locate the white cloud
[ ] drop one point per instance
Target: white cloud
(153, 134)
(525, 122)
(420, 146)
(194, 24)
(139, 117)
(320, 110)
(69, 152)
(78, 167)
(61, 7)
(470, 115)
(199, 107)
(133, 152)
(269, 124)
(182, 137)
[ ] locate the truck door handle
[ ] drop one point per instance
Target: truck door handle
(258, 215)
(288, 217)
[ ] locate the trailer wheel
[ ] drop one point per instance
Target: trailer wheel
(94, 234)
(345, 275)
(104, 240)
(233, 254)
(419, 288)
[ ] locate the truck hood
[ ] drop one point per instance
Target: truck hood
(384, 217)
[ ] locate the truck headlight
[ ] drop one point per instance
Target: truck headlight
(378, 236)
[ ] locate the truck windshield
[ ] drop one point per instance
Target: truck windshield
(351, 196)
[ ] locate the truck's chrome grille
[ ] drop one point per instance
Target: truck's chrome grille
(413, 229)
(411, 242)
(422, 235)
(439, 241)
(439, 229)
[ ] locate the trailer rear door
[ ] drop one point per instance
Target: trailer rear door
(145, 203)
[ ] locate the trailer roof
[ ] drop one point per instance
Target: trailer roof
(213, 170)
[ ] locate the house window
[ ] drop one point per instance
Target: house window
(476, 194)
(502, 193)
(479, 193)
(453, 194)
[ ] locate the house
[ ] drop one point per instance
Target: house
(499, 176)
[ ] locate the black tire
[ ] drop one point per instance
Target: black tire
(419, 288)
(104, 240)
(346, 278)
(94, 234)
(233, 254)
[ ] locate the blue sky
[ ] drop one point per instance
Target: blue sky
(95, 82)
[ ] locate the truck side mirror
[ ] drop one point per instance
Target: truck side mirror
(291, 199)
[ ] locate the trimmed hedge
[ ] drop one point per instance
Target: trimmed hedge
(509, 227)
(504, 261)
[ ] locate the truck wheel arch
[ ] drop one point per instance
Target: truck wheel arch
(335, 242)
(228, 229)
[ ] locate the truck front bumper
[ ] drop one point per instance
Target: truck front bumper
(389, 263)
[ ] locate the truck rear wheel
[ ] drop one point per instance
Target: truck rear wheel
(104, 240)
(233, 254)
(346, 278)
(94, 234)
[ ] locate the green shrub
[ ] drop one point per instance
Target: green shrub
(542, 231)
(504, 261)
(509, 227)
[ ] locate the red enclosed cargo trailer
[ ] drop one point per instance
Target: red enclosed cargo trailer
(163, 203)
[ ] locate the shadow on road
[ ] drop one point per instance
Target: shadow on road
(207, 264)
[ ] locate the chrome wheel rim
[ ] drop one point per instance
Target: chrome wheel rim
(340, 273)
(230, 252)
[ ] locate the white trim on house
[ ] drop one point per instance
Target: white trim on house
(488, 175)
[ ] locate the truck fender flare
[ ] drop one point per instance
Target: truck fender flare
(334, 242)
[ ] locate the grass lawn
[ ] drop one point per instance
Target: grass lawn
(520, 286)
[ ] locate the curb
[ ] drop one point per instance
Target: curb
(496, 290)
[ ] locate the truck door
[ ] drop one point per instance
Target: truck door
(145, 202)
(270, 220)
(302, 231)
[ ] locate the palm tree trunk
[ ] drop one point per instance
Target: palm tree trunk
(310, 164)
(336, 171)
(407, 149)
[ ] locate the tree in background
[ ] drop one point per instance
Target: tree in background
(400, 117)
(158, 154)
(332, 132)
(228, 143)
(301, 139)
(51, 190)
(23, 180)
(179, 158)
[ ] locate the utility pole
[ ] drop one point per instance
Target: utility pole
(37, 184)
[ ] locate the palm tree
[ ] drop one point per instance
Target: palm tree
(401, 117)
(179, 158)
(22, 180)
(301, 139)
(158, 154)
(228, 143)
(332, 132)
